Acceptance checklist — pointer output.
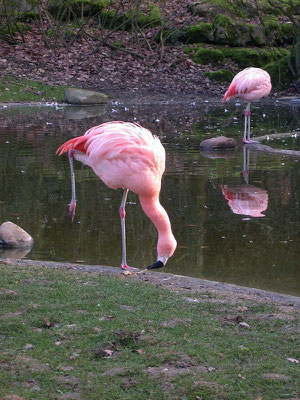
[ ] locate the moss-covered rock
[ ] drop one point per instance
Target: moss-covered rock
(129, 21)
(208, 56)
(243, 57)
(257, 35)
(28, 16)
(288, 32)
(281, 75)
(273, 30)
(171, 36)
(210, 8)
(242, 34)
(69, 9)
(224, 30)
(202, 32)
(255, 57)
(222, 75)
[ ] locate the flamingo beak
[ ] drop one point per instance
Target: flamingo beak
(161, 262)
(156, 265)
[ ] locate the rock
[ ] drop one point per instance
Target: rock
(258, 38)
(82, 96)
(11, 235)
(13, 253)
(218, 143)
(78, 112)
(203, 9)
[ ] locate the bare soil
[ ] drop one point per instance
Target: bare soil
(211, 291)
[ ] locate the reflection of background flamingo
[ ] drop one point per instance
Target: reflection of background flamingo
(246, 199)
(126, 155)
(249, 84)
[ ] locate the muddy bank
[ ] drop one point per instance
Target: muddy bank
(211, 290)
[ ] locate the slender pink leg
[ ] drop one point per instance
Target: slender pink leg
(247, 126)
(73, 199)
(122, 216)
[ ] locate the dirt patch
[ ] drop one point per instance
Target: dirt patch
(116, 371)
(194, 288)
(10, 315)
(175, 322)
(170, 371)
(276, 377)
(7, 292)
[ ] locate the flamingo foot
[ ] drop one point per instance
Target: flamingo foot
(250, 141)
(156, 265)
(126, 267)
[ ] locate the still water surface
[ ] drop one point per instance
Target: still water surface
(231, 225)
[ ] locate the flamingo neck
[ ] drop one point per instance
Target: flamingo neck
(154, 210)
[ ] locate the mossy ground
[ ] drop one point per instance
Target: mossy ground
(67, 334)
(15, 90)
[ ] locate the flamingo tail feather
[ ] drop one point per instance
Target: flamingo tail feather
(77, 143)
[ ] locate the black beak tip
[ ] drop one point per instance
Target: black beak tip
(156, 265)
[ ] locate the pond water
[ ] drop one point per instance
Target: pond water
(231, 225)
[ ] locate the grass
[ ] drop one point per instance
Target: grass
(13, 89)
(71, 335)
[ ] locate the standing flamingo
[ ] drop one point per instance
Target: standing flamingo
(126, 155)
(249, 84)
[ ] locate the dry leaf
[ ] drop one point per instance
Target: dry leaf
(46, 323)
(106, 318)
(293, 360)
(244, 324)
(127, 273)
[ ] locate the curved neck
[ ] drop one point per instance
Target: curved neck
(158, 215)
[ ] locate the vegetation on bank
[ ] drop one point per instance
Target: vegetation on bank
(224, 34)
(68, 334)
(14, 90)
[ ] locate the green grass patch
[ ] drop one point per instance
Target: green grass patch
(20, 90)
(95, 336)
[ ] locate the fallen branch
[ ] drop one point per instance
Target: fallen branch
(277, 136)
(270, 150)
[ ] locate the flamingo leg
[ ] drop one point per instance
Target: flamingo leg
(245, 129)
(123, 228)
(249, 113)
(246, 138)
(73, 199)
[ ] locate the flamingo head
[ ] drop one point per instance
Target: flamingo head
(165, 249)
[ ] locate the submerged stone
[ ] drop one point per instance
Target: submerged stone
(82, 96)
(12, 235)
(218, 143)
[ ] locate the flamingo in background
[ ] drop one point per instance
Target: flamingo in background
(249, 84)
(126, 155)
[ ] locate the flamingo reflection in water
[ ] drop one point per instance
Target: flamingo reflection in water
(246, 199)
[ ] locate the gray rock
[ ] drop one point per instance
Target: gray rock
(11, 235)
(82, 96)
(78, 112)
(257, 35)
(218, 143)
(203, 9)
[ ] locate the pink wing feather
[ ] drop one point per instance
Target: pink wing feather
(251, 83)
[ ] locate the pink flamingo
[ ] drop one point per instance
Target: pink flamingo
(249, 84)
(126, 155)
